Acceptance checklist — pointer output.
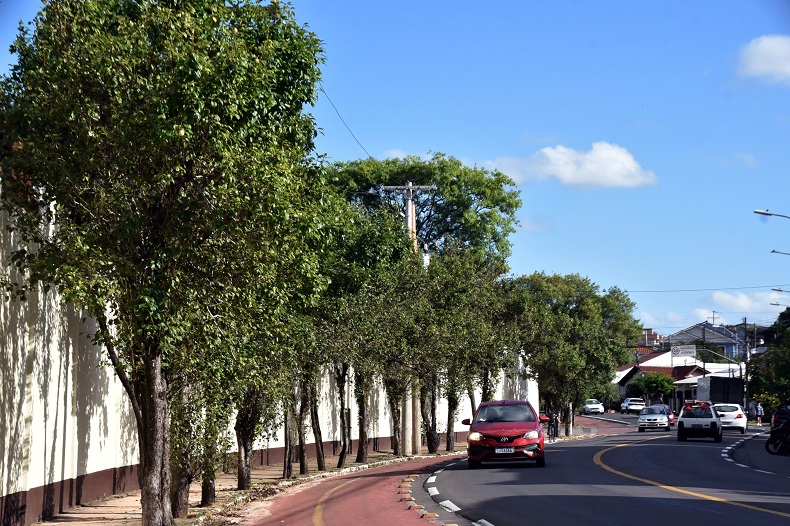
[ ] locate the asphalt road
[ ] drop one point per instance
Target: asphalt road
(644, 478)
(622, 479)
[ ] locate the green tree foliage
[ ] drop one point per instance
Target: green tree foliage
(471, 208)
(464, 344)
(769, 373)
(153, 158)
(652, 385)
(572, 336)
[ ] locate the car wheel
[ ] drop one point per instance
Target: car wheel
(666, 429)
(773, 445)
(473, 464)
(541, 462)
(641, 429)
(718, 437)
(681, 436)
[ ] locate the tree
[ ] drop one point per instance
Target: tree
(472, 207)
(653, 385)
(769, 373)
(572, 336)
(163, 153)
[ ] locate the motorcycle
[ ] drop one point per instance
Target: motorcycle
(778, 442)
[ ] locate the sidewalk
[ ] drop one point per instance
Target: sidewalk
(241, 507)
(231, 506)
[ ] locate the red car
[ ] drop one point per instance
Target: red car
(503, 431)
(670, 413)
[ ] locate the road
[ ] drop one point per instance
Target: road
(645, 478)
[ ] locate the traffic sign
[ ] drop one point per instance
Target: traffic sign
(684, 350)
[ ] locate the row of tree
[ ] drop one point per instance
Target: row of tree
(158, 171)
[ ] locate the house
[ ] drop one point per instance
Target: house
(729, 342)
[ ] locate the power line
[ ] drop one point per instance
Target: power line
(321, 87)
(707, 290)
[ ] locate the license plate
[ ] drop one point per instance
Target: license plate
(697, 425)
(501, 450)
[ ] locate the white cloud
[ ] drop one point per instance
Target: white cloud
(605, 165)
(767, 57)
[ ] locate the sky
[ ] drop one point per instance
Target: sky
(641, 135)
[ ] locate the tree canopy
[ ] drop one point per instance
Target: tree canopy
(156, 170)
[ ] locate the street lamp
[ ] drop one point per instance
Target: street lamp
(767, 213)
(774, 251)
(779, 304)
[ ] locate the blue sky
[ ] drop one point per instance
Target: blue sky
(642, 135)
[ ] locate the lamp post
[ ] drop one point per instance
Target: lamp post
(767, 213)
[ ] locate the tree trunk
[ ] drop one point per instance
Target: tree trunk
(155, 444)
(452, 411)
(181, 453)
(288, 455)
(315, 421)
(395, 399)
(304, 469)
(341, 376)
(428, 409)
(208, 488)
(246, 424)
(361, 384)
(471, 394)
(181, 477)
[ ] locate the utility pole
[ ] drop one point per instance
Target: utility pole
(411, 426)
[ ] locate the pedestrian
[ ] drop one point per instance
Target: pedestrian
(554, 421)
(759, 411)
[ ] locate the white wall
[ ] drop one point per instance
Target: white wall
(62, 415)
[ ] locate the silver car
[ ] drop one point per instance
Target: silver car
(653, 417)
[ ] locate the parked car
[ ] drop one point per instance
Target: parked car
(505, 430)
(653, 417)
(780, 415)
(699, 420)
(592, 406)
(670, 413)
(732, 416)
(632, 405)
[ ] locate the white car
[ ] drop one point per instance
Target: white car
(592, 406)
(732, 416)
(699, 420)
(632, 405)
(653, 417)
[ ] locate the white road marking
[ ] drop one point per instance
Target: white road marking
(449, 506)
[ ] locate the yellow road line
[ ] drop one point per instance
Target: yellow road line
(318, 511)
(599, 462)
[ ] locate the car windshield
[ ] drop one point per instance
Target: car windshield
(593, 401)
(652, 411)
(505, 413)
(726, 408)
(698, 412)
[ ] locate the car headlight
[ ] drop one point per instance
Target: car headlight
(474, 436)
(531, 434)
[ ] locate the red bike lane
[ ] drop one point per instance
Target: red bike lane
(378, 495)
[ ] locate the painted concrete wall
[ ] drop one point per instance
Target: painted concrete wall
(62, 415)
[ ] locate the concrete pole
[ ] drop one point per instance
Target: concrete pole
(407, 422)
(411, 424)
